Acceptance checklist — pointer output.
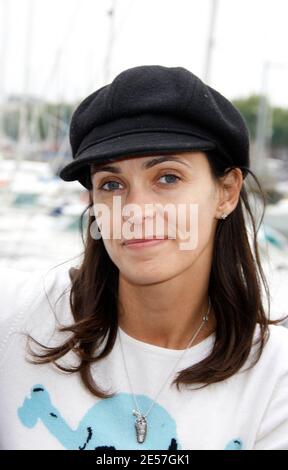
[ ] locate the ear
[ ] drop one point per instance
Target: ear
(229, 191)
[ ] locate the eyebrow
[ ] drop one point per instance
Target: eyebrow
(146, 165)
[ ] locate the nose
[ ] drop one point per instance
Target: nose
(138, 207)
(138, 213)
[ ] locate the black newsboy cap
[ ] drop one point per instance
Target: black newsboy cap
(154, 109)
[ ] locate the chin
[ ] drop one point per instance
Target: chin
(138, 275)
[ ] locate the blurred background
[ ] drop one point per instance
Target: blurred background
(54, 53)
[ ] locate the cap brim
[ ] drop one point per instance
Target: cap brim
(132, 145)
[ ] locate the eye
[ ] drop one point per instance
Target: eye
(172, 179)
(113, 186)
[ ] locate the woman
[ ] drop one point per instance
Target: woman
(159, 339)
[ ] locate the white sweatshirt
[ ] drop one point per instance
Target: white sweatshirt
(44, 408)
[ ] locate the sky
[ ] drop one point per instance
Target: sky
(57, 49)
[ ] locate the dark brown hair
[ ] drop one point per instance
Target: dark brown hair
(234, 288)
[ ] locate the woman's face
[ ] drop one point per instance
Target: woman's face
(184, 182)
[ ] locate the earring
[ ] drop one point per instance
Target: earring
(223, 216)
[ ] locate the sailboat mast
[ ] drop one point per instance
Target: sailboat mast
(23, 133)
(3, 50)
(111, 39)
(211, 41)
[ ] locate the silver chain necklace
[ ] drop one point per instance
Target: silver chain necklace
(141, 419)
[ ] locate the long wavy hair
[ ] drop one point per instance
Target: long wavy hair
(237, 287)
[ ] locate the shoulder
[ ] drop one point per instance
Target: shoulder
(273, 382)
(28, 296)
(277, 343)
(56, 279)
(273, 361)
(16, 286)
(279, 334)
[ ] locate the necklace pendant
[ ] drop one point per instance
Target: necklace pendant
(140, 426)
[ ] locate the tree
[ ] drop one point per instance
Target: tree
(248, 107)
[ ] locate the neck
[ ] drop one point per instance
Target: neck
(166, 314)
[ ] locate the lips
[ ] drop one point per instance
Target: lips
(134, 241)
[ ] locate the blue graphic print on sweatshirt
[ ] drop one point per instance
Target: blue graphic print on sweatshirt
(109, 424)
